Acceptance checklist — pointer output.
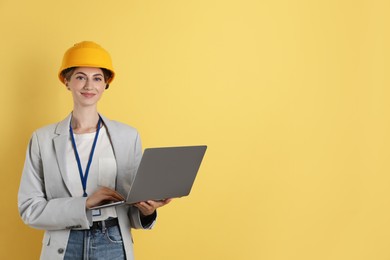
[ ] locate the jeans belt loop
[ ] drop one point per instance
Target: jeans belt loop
(103, 227)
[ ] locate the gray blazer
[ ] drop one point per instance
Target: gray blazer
(45, 200)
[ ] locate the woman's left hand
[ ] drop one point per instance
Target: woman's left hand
(148, 207)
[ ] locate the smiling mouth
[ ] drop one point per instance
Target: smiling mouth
(88, 95)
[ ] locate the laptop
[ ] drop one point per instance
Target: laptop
(165, 172)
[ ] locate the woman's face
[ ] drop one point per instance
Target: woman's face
(87, 86)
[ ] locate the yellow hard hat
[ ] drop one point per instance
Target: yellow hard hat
(86, 54)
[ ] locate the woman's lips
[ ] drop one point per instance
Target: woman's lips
(88, 95)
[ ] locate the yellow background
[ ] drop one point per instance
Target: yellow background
(292, 98)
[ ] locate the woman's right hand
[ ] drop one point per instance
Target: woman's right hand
(102, 195)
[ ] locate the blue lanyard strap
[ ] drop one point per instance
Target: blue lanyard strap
(84, 177)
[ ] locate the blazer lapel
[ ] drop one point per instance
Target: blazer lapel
(60, 145)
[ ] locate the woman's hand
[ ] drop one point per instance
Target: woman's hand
(102, 195)
(148, 207)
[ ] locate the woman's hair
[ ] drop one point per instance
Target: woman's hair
(67, 74)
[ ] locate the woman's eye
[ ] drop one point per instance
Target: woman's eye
(98, 79)
(80, 77)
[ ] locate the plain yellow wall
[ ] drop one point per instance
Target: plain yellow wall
(292, 98)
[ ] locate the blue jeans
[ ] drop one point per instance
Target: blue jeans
(95, 245)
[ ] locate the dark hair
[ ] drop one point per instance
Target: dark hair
(67, 74)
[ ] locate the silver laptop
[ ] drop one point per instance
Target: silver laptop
(163, 173)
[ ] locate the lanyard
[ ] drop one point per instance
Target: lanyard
(84, 177)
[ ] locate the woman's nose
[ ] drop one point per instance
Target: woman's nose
(88, 84)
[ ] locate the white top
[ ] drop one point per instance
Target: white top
(102, 171)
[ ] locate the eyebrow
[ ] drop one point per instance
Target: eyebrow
(80, 72)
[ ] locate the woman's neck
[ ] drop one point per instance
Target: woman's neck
(84, 120)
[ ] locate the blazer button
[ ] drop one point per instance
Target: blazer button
(60, 251)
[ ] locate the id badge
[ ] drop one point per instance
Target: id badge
(96, 212)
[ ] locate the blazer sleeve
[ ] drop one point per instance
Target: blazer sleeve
(36, 209)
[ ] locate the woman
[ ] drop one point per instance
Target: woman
(81, 162)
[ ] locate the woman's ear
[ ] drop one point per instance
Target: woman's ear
(66, 84)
